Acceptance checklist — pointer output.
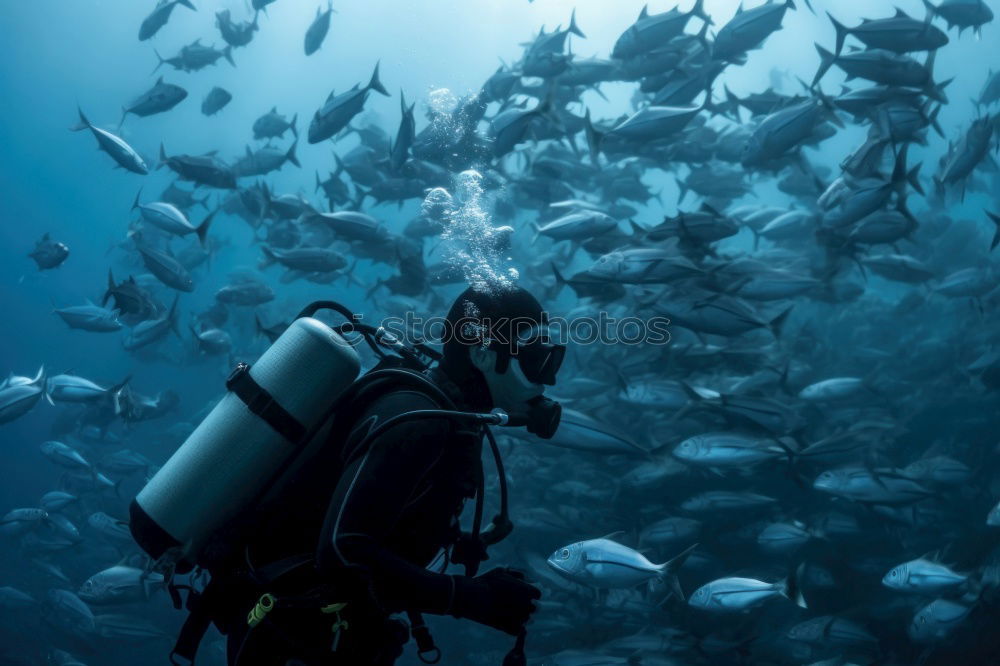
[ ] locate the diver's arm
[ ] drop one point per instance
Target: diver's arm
(370, 495)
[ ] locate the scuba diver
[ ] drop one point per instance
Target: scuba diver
(342, 542)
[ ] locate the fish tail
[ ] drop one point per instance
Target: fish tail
(573, 27)
(202, 229)
(120, 385)
(790, 589)
(290, 155)
(83, 124)
(188, 4)
(732, 101)
(935, 91)
(41, 379)
(560, 280)
(682, 190)
(111, 286)
(594, 138)
(777, 324)
(172, 317)
(913, 178)
(160, 59)
(826, 62)
(699, 11)
(842, 32)
(933, 117)
(667, 573)
(376, 84)
(362, 195)
(939, 189)
(995, 219)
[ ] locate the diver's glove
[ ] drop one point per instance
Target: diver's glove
(500, 598)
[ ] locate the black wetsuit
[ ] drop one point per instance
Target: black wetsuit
(392, 509)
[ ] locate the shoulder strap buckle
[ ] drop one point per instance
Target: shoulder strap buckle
(260, 402)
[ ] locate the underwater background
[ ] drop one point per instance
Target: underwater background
(911, 337)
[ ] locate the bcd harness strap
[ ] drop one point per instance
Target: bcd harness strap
(202, 606)
(263, 404)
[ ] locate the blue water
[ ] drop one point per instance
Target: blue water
(58, 55)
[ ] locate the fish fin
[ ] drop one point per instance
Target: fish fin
(227, 53)
(573, 27)
(842, 33)
(668, 571)
(83, 124)
(375, 83)
(612, 535)
(135, 204)
(827, 60)
(594, 138)
(290, 155)
(995, 219)
(202, 230)
(172, 317)
(778, 323)
(160, 59)
(682, 190)
(163, 157)
(699, 11)
(120, 385)
(913, 178)
(292, 123)
(790, 589)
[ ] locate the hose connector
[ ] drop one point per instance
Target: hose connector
(500, 417)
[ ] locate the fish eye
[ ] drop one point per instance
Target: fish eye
(893, 573)
(564, 553)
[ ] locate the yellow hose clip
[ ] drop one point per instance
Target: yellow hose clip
(339, 624)
(264, 606)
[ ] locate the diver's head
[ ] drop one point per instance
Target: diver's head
(501, 340)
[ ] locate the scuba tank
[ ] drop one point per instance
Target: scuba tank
(260, 427)
(270, 412)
